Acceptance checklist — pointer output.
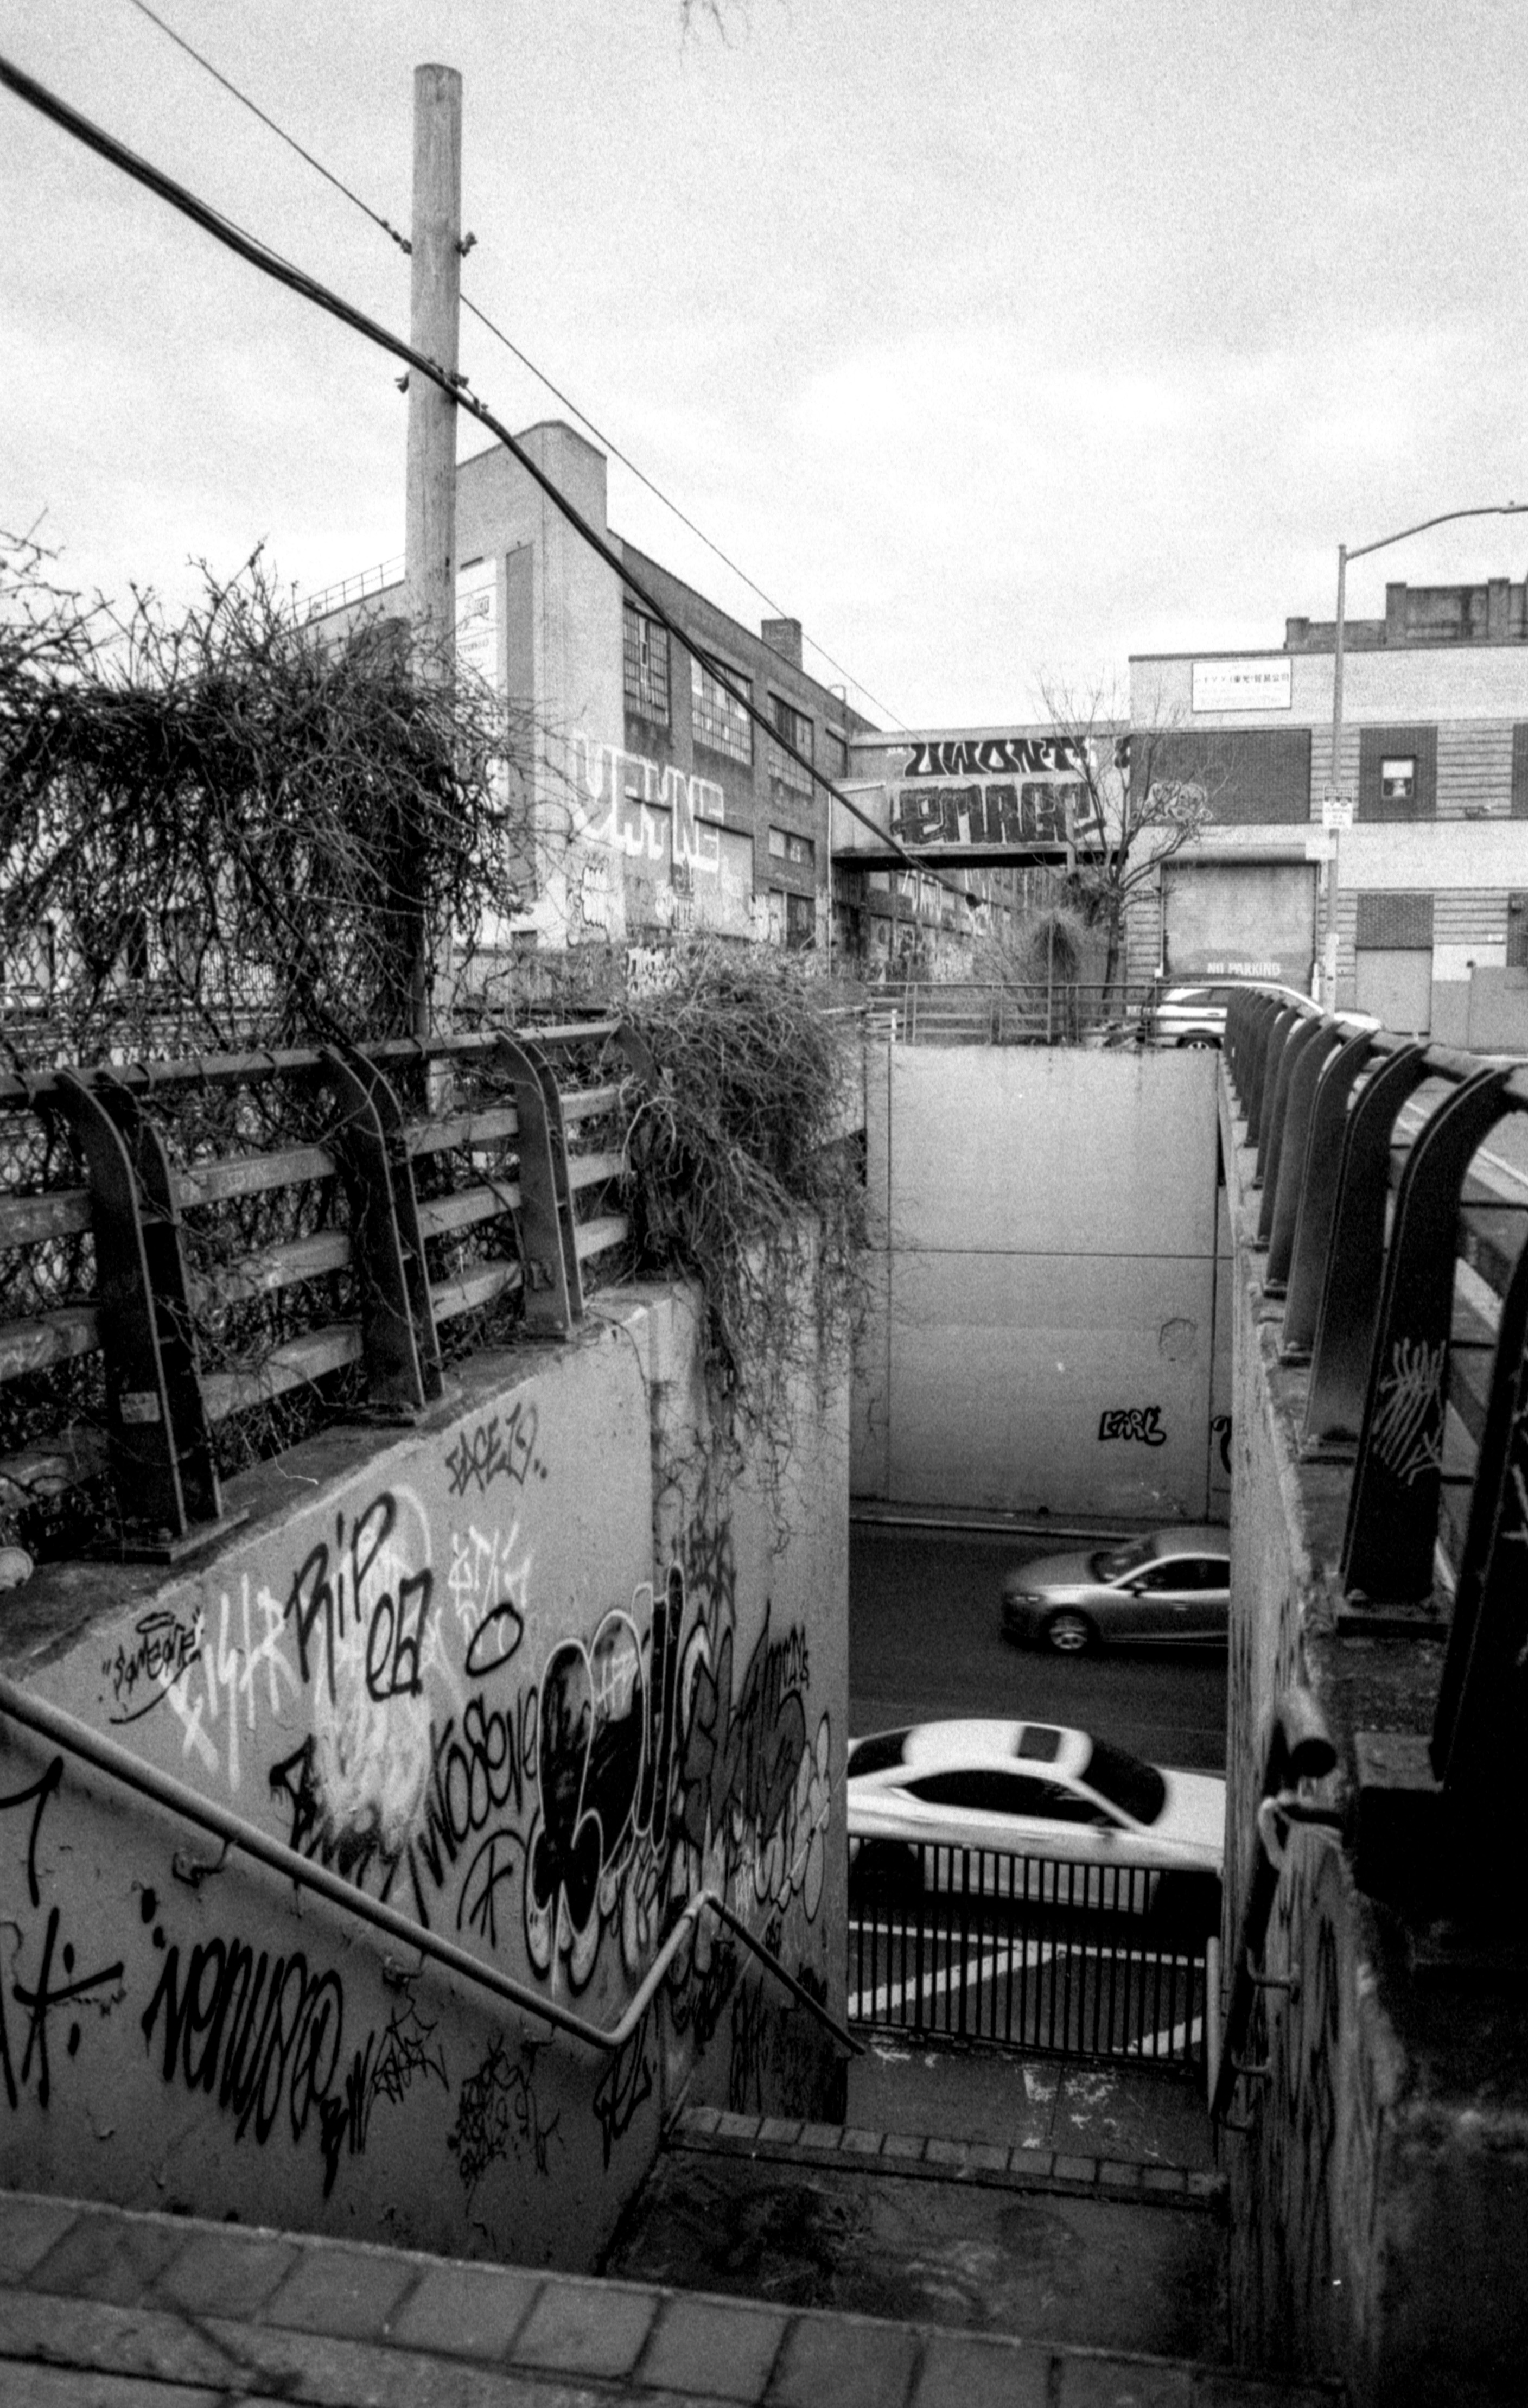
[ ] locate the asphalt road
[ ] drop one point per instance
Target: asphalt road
(924, 1641)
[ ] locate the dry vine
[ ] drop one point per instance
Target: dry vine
(742, 1179)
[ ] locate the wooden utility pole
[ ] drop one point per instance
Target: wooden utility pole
(430, 512)
(434, 311)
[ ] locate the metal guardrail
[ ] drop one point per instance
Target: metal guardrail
(398, 1188)
(1067, 1959)
(971, 1012)
(1394, 1238)
(61, 1731)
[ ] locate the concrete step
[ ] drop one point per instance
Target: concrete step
(930, 2158)
(108, 2308)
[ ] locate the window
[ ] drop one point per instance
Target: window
(1180, 1573)
(645, 664)
(1398, 779)
(717, 717)
(784, 846)
(800, 923)
(836, 753)
(1397, 773)
(1517, 932)
(796, 729)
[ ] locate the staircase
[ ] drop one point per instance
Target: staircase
(103, 2308)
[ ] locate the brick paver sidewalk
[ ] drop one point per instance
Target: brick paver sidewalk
(103, 2308)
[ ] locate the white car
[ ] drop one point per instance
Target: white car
(920, 1799)
(1195, 1015)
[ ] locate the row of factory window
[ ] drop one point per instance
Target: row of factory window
(718, 716)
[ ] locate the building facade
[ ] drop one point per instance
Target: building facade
(655, 808)
(1429, 884)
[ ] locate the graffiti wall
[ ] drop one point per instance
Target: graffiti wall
(532, 1674)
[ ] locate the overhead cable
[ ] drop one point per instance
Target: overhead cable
(280, 131)
(526, 362)
(248, 248)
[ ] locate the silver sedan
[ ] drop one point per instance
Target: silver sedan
(1170, 1588)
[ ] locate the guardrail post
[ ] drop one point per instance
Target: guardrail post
(384, 1101)
(1285, 1191)
(394, 1377)
(1478, 1726)
(1284, 1026)
(1297, 1043)
(170, 1287)
(145, 1457)
(1355, 1259)
(553, 1290)
(1387, 1552)
(1318, 1198)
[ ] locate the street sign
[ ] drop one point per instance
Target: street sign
(1337, 812)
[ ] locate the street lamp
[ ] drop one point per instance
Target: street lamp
(1342, 806)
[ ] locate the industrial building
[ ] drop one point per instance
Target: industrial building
(1426, 892)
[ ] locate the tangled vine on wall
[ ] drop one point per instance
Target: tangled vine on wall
(742, 1180)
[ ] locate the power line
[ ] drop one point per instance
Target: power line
(280, 131)
(270, 262)
(526, 362)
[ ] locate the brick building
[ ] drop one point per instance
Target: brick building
(660, 809)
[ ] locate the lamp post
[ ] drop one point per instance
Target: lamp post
(1339, 808)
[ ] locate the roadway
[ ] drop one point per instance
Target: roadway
(925, 1641)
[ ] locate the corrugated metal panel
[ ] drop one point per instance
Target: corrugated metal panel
(1475, 761)
(1377, 745)
(1394, 923)
(1469, 915)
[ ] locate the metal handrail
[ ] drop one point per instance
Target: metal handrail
(62, 1729)
(1300, 1749)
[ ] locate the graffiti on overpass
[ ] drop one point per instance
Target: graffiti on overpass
(56, 1986)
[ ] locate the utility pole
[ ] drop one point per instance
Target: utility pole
(433, 319)
(430, 510)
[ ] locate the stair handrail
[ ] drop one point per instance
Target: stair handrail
(1300, 1749)
(65, 1730)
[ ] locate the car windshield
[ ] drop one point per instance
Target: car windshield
(1109, 1562)
(1126, 1782)
(877, 1754)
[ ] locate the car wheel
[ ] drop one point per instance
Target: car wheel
(1069, 1633)
(1200, 1044)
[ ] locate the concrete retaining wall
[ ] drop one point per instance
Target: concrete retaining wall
(533, 1671)
(1379, 2179)
(1042, 1333)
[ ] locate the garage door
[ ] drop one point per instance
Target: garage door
(1240, 919)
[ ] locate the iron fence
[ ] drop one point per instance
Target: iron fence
(1061, 1012)
(1032, 1953)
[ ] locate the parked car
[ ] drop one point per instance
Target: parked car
(918, 1797)
(1169, 1588)
(1195, 1015)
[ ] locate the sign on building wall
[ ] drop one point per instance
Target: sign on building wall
(1243, 685)
(478, 620)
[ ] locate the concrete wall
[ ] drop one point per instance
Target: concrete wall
(1380, 2168)
(1042, 1327)
(533, 1672)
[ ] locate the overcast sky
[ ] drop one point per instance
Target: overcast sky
(996, 338)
